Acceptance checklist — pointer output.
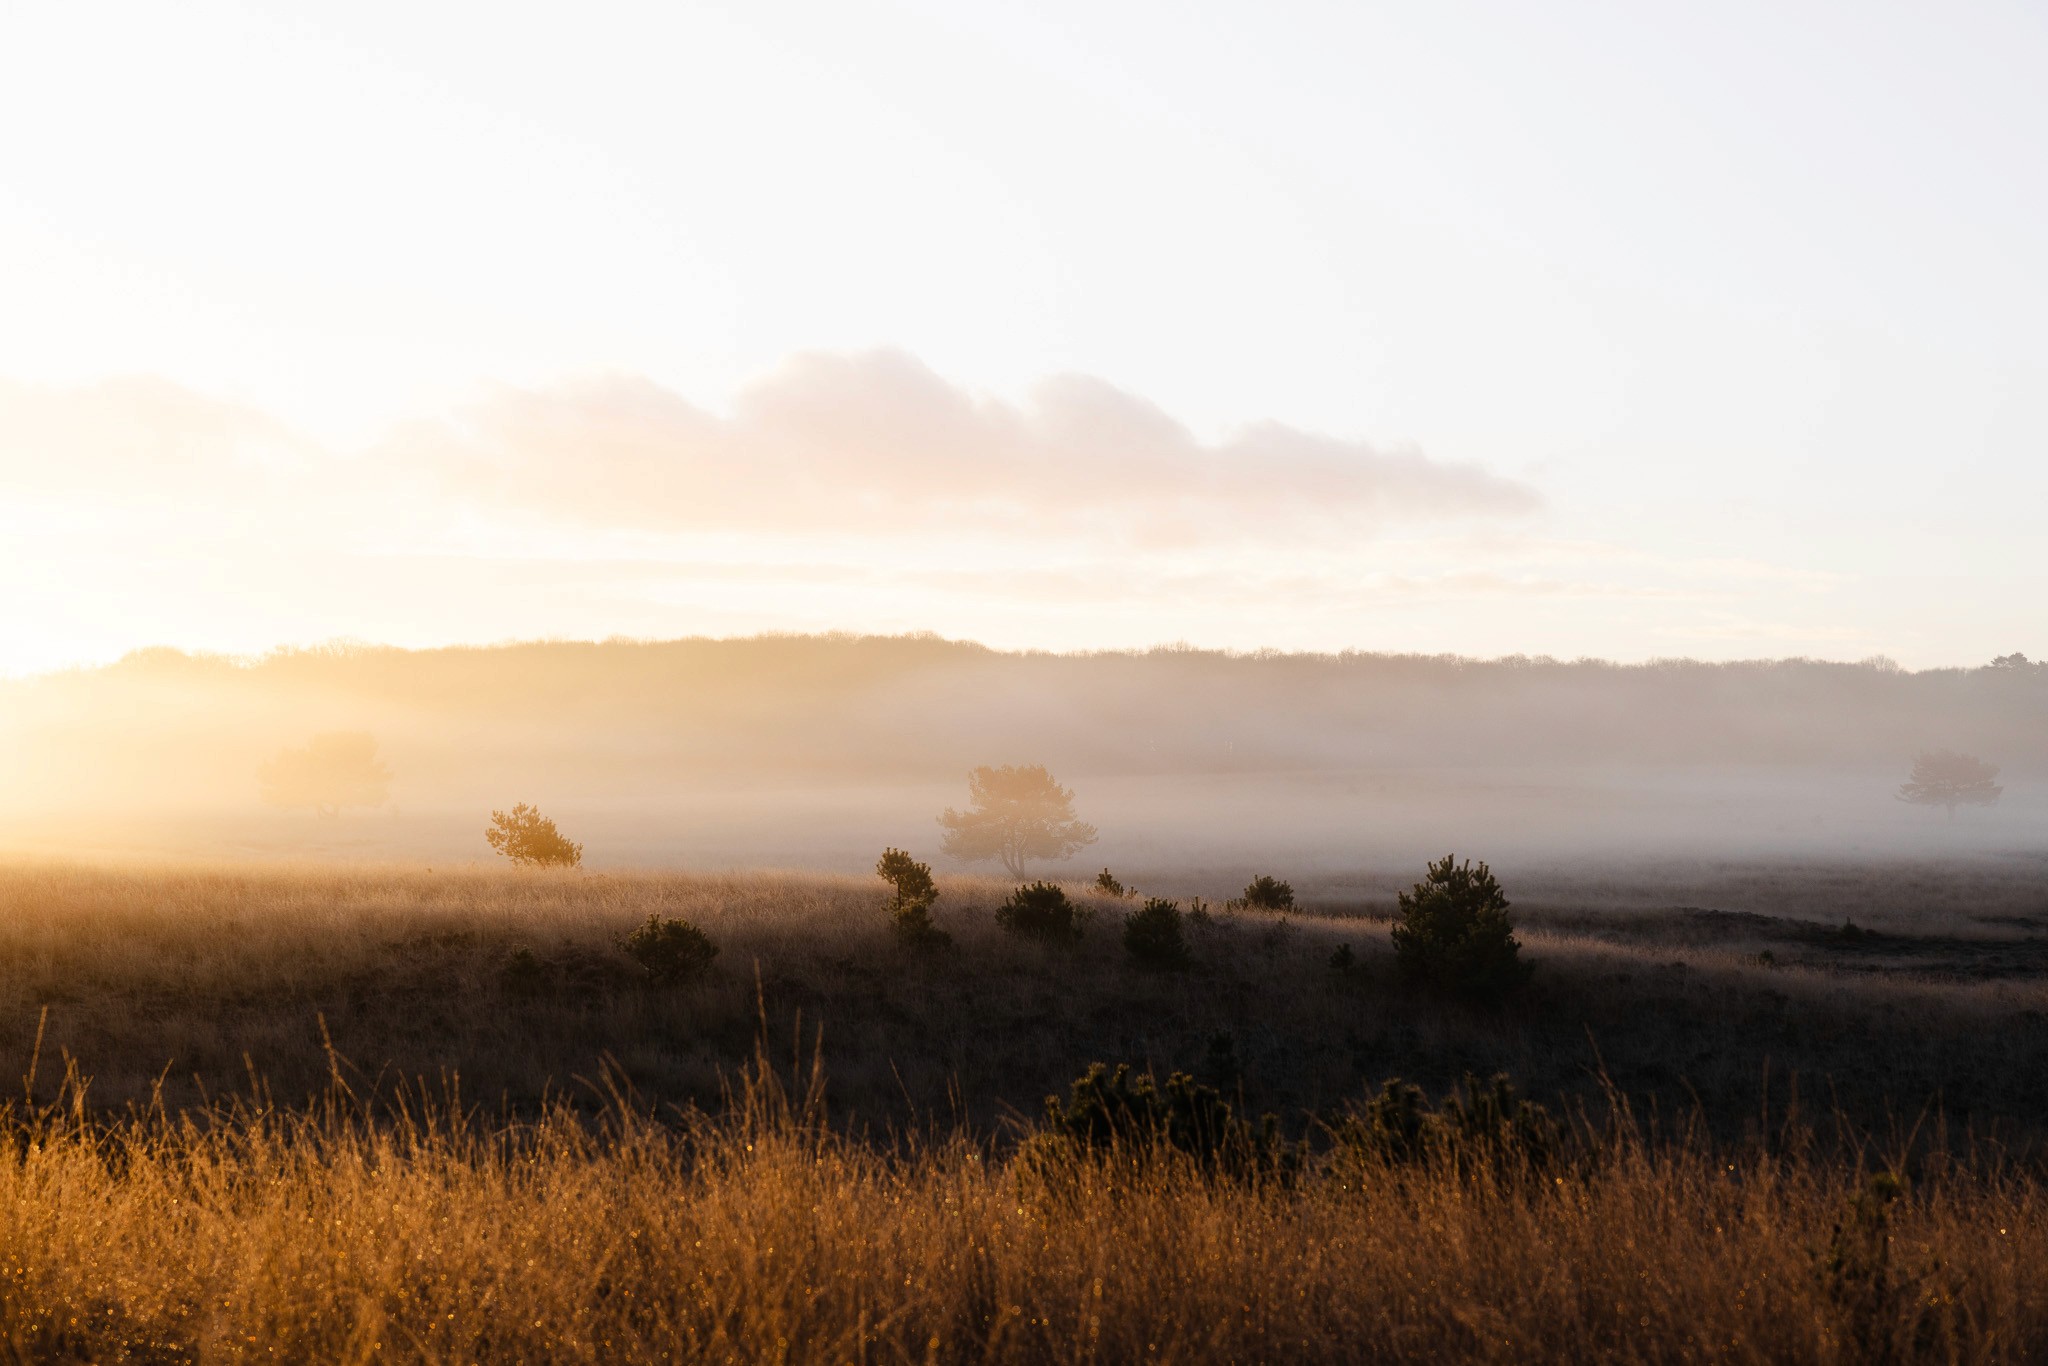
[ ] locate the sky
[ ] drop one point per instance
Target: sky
(1579, 329)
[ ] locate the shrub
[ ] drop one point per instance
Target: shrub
(1153, 935)
(524, 974)
(1042, 911)
(1456, 935)
(910, 908)
(671, 951)
(1481, 1124)
(530, 839)
(1265, 893)
(1122, 1109)
(1343, 959)
(1107, 884)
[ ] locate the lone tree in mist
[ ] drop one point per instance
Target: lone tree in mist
(530, 839)
(1944, 778)
(334, 770)
(1456, 935)
(1019, 813)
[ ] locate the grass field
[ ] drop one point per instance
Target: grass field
(312, 1113)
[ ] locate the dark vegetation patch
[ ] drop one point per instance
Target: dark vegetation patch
(521, 986)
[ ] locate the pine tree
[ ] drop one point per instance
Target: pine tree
(1456, 935)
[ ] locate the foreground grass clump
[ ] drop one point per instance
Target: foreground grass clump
(763, 1234)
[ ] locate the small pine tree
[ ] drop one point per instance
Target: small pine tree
(530, 839)
(1106, 883)
(910, 908)
(1153, 936)
(1042, 911)
(1456, 935)
(1265, 893)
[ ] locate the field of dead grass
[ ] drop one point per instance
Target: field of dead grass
(304, 1114)
(762, 1233)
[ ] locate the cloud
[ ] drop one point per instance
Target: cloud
(138, 437)
(876, 442)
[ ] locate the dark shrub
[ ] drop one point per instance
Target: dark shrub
(910, 908)
(1122, 1109)
(1153, 935)
(1267, 894)
(671, 951)
(524, 974)
(1343, 960)
(1220, 1063)
(1042, 911)
(1456, 935)
(1857, 1274)
(1481, 1124)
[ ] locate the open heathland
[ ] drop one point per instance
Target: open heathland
(1719, 995)
(447, 1115)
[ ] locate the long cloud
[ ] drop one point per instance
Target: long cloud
(876, 441)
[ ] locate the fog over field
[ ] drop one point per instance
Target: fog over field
(814, 751)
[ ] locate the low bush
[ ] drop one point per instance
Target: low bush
(670, 951)
(1481, 1123)
(1042, 911)
(1265, 893)
(1153, 935)
(524, 974)
(1125, 1109)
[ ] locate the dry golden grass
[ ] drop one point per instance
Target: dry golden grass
(762, 1235)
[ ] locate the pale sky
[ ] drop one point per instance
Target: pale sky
(1613, 329)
